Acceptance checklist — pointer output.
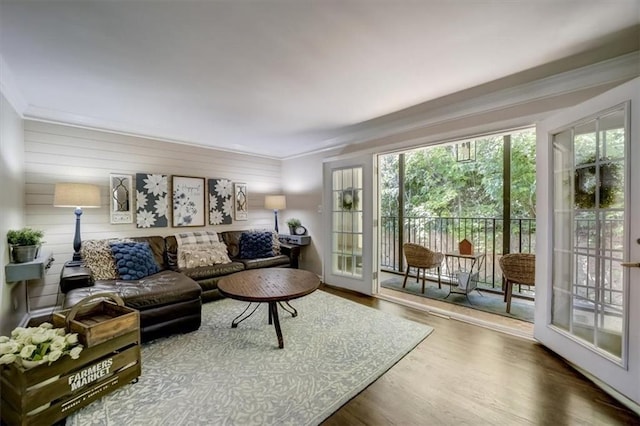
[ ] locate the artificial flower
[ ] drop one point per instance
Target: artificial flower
(40, 344)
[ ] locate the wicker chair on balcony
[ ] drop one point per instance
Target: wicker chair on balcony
(421, 257)
(517, 268)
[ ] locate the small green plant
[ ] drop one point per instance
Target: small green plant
(25, 237)
(293, 222)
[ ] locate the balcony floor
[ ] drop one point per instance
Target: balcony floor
(457, 312)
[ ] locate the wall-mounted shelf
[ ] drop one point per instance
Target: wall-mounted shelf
(301, 240)
(34, 270)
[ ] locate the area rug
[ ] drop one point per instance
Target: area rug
(483, 301)
(218, 375)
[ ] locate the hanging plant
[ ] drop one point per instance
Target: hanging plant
(349, 199)
(586, 183)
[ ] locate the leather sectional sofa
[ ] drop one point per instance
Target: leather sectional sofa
(170, 301)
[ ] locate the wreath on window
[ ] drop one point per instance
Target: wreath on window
(585, 183)
(349, 199)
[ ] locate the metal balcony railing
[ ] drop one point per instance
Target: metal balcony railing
(443, 234)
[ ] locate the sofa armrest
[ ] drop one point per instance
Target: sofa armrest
(75, 277)
(291, 250)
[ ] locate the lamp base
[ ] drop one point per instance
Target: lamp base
(275, 215)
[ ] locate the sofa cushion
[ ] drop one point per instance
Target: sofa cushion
(97, 256)
(266, 262)
(134, 260)
(161, 289)
(256, 245)
(206, 255)
(212, 271)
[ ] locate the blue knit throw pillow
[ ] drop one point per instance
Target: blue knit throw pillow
(256, 245)
(134, 260)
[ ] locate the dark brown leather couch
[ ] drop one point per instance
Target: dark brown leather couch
(170, 301)
(208, 276)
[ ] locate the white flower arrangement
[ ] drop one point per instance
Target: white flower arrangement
(36, 345)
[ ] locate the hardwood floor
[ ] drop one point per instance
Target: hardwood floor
(463, 374)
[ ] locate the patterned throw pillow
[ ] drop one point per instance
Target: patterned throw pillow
(276, 240)
(134, 260)
(97, 256)
(256, 245)
(276, 243)
(193, 240)
(205, 255)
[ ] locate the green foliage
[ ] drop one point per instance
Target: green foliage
(586, 184)
(293, 222)
(25, 237)
(437, 185)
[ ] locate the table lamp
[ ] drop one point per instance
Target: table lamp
(79, 196)
(275, 202)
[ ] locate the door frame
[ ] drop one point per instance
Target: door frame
(368, 283)
(623, 379)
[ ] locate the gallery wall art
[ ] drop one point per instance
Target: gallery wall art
(241, 201)
(120, 198)
(188, 201)
(220, 201)
(151, 200)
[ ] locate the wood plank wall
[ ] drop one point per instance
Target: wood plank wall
(58, 153)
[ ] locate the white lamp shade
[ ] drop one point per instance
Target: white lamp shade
(275, 202)
(76, 195)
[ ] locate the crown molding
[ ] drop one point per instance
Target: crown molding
(9, 89)
(424, 115)
(44, 115)
(618, 69)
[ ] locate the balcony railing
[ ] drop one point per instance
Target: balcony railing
(443, 234)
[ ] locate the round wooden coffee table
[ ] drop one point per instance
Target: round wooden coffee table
(274, 286)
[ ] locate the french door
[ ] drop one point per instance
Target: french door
(350, 240)
(588, 237)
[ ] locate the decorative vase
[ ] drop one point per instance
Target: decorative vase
(22, 254)
(292, 230)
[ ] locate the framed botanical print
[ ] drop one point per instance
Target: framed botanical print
(152, 200)
(220, 201)
(188, 201)
(241, 201)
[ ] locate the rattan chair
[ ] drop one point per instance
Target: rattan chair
(517, 268)
(421, 257)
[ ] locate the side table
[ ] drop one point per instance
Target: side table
(72, 277)
(465, 270)
(293, 251)
(27, 271)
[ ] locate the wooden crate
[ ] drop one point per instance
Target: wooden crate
(98, 321)
(57, 390)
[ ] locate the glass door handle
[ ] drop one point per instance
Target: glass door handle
(630, 264)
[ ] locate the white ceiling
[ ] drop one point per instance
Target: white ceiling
(276, 78)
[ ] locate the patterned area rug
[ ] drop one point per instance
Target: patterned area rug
(484, 301)
(332, 350)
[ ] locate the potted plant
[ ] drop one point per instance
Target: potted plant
(24, 244)
(293, 223)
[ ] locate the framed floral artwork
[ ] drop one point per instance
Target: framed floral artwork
(188, 201)
(241, 201)
(151, 200)
(220, 201)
